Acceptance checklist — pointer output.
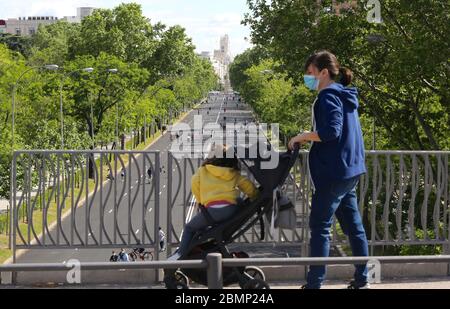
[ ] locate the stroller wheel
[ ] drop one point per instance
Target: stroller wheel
(132, 256)
(148, 256)
(181, 286)
(172, 284)
(181, 278)
(255, 284)
(255, 273)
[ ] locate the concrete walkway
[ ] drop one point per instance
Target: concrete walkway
(410, 284)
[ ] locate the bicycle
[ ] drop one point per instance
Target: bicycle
(140, 253)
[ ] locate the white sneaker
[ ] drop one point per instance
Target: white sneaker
(174, 257)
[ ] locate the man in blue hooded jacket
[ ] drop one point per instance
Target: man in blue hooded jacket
(336, 162)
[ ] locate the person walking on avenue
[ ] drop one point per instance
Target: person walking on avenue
(149, 174)
(336, 160)
(110, 175)
(162, 240)
(114, 257)
(123, 256)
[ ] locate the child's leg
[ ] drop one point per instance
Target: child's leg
(197, 223)
(222, 214)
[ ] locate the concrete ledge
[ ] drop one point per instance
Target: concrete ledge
(340, 272)
(87, 277)
(272, 273)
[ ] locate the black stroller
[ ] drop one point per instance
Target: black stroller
(217, 236)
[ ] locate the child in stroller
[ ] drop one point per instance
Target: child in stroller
(221, 184)
(218, 235)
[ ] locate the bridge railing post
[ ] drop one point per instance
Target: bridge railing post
(446, 250)
(214, 271)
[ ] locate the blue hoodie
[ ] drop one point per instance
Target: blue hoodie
(341, 153)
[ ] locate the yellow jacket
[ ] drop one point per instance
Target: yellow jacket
(213, 183)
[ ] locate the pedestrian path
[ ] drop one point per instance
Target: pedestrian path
(391, 284)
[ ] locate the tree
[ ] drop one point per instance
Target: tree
(158, 72)
(101, 89)
(273, 95)
(51, 43)
(173, 55)
(244, 61)
(401, 65)
(12, 63)
(18, 43)
(123, 32)
(401, 68)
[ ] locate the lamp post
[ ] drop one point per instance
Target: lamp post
(61, 110)
(92, 131)
(375, 39)
(113, 70)
(51, 67)
(92, 125)
(374, 135)
(65, 76)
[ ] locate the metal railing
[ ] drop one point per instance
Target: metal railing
(403, 193)
(96, 199)
(214, 264)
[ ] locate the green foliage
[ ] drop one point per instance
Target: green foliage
(174, 53)
(123, 32)
(421, 250)
(272, 95)
(17, 43)
(158, 74)
(401, 65)
(401, 69)
(243, 62)
(51, 43)
(3, 223)
(101, 89)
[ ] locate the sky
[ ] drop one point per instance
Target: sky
(205, 20)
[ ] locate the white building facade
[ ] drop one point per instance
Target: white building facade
(29, 25)
(220, 59)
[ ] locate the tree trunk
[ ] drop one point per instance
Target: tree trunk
(426, 128)
(122, 142)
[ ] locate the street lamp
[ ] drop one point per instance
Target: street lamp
(266, 71)
(375, 39)
(50, 67)
(114, 71)
(65, 76)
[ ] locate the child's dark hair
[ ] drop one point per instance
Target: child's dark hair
(228, 159)
(223, 162)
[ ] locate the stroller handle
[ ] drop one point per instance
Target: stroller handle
(295, 152)
(293, 158)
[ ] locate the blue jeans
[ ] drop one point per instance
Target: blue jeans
(199, 222)
(339, 198)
